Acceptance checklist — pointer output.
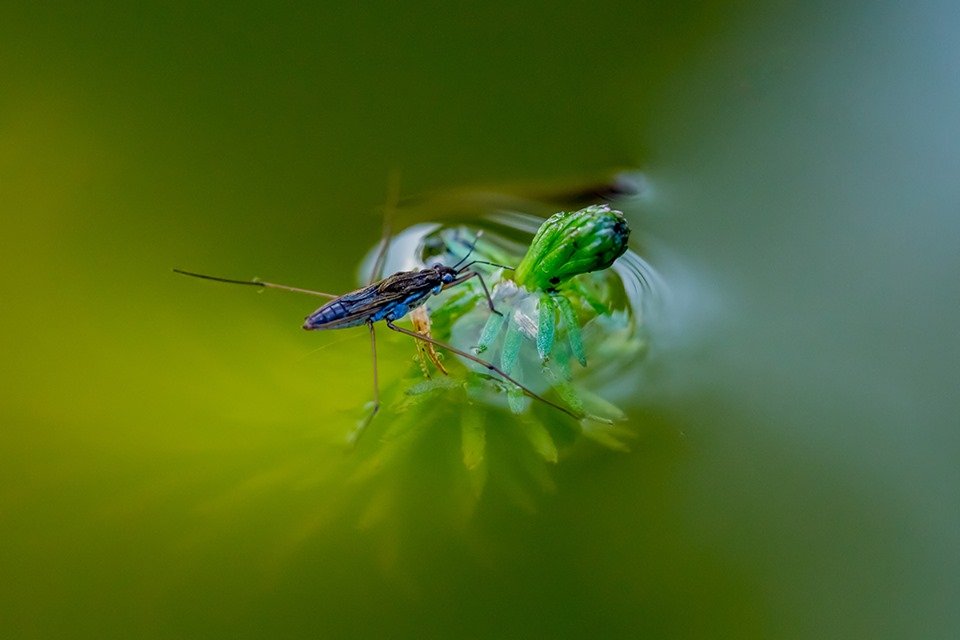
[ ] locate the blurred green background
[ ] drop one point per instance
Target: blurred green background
(169, 457)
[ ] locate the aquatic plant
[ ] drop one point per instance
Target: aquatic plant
(560, 309)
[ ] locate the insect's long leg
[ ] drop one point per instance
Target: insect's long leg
(376, 388)
(498, 371)
(257, 283)
(486, 292)
(373, 358)
(393, 196)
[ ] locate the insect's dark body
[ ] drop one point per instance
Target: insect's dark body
(389, 299)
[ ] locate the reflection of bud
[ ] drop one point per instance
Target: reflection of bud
(571, 243)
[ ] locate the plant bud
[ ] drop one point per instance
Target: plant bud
(571, 243)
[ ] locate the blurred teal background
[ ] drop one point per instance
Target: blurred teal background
(169, 457)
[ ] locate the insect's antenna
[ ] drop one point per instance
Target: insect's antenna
(472, 247)
(492, 264)
(255, 283)
(389, 208)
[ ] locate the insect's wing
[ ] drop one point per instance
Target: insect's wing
(406, 283)
(349, 310)
(355, 308)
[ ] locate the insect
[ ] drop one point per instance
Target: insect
(390, 299)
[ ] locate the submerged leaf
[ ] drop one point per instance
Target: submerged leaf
(564, 388)
(473, 444)
(541, 440)
(474, 440)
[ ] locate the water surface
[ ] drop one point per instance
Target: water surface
(171, 452)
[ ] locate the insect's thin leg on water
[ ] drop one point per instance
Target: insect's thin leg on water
(257, 283)
(393, 196)
(498, 371)
(373, 358)
(376, 388)
(486, 292)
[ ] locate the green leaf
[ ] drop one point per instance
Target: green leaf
(510, 354)
(573, 329)
(547, 326)
(490, 331)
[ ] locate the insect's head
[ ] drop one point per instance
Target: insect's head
(447, 274)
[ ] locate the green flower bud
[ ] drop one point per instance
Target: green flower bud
(571, 243)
